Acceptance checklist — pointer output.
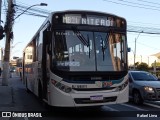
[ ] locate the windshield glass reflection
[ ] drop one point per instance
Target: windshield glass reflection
(89, 51)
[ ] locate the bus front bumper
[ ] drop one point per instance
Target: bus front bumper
(90, 98)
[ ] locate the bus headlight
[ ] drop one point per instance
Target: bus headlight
(149, 89)
(121, 87)
(61, 86)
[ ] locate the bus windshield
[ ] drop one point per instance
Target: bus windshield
(89, 51)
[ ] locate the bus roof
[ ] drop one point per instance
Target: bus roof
(85, 11)
(71, 12)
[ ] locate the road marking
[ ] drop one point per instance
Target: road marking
(137, 108)
(152, 105)
(26, 118)
(109, 108)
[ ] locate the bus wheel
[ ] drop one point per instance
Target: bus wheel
(137, 97)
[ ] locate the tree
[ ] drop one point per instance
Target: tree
(157, 64)
(137, 63)
(142, 66)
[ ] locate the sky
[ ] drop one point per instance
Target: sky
(26, 26)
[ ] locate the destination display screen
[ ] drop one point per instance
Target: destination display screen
(89, 20)
(94, 20)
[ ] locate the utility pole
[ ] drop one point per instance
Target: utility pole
(8, 31)
(0, 11)
(135, 49)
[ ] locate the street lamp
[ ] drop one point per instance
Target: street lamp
(13, 46)
(41, 4)
(135, 49)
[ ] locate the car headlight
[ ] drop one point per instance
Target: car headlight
(149, 89)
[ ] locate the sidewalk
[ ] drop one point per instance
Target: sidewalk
(6, 95)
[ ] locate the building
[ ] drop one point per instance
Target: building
(143, 58)
(157, 55)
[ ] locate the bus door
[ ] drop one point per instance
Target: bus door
(45, 71)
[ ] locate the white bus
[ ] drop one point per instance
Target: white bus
(78, 58)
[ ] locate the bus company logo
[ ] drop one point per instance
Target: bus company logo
(107, 84)
(6, 114)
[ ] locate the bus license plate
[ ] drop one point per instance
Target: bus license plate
(97, 97)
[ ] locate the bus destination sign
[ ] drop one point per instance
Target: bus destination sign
(89, 20)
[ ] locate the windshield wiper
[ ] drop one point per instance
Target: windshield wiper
(104, 44)
(89, 45)
(80, 36)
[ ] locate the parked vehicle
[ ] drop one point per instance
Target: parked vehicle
(143, 86)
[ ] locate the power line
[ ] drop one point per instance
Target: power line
(149, 2)
(30, 13)
(132, 5)
(135, 3)
(151, 47)
(42, 11)
(139, 23)
(147, 30)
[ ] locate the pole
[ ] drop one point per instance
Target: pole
(154, 69)
(0, 11)
(1, 54)
(8, 29)
(135, 55)
(135, 49)
(148, 61)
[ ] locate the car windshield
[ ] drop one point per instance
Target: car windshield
(143, 76)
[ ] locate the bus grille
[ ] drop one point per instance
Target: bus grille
(93, 89)
(88, 101)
